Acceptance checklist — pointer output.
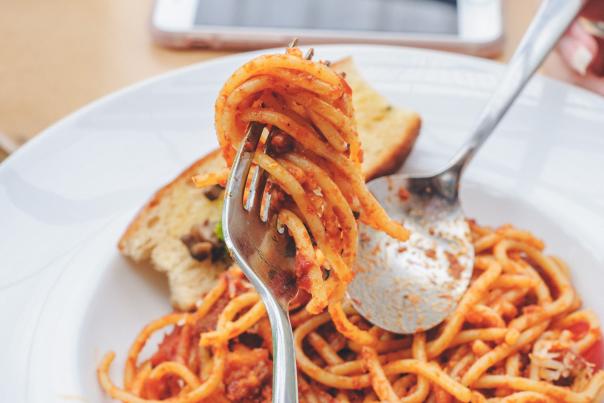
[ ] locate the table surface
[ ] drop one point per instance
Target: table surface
(58, 55)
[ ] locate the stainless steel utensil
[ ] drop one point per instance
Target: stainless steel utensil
(414, 285)
(265, 256)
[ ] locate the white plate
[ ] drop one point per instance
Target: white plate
(66, 296)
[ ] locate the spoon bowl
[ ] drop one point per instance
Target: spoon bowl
(412, 286)
(420, 281)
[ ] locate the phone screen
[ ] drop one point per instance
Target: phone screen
(409, 16)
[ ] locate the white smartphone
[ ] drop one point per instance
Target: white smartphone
(469, 26)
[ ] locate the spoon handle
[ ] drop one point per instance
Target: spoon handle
(551, 21)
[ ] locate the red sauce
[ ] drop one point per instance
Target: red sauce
(431, 253)
(579, 330)
(403, 194)
(281, 143)
(248, 375)
(594, 354)
(303, 266)
(455, 269)
(208, 322)
(278, 197)
(163, 388)
(347, 88)
(360, 155)
(167, 349)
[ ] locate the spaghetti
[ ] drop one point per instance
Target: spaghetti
(505, 343)
(313, 159)
(517, 334)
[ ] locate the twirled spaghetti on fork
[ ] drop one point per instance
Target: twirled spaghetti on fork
(517, 335)
(314, 161)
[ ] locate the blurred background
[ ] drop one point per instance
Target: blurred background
(58, 55)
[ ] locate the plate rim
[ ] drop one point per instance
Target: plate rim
(57, 127)
(87, 107)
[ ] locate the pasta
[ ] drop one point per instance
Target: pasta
(314, 159)
(517, 335)
(534, 352)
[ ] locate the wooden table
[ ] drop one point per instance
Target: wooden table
(58, 55)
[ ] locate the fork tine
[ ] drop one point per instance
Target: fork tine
(259, 246)
(267, 206)
(293, 43)
(254, 198)
(268, 197)
(243, 162)
(257, 185)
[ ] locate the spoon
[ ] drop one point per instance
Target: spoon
(405, 287)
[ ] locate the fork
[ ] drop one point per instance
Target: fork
(263, 252)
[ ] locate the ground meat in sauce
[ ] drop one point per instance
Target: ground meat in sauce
(302, 267)
(278, 197)
(248, 375)
(167, 348)
(281, 143)
(208, 322)
(164, 388)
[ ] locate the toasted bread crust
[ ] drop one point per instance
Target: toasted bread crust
(380, 124)
(184, 178)
(397, 155)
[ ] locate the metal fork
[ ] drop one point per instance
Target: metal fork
(264, 253)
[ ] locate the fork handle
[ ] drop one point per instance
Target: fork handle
(285, 381)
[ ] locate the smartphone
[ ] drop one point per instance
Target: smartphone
(469, 26)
